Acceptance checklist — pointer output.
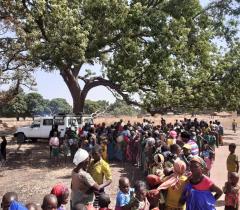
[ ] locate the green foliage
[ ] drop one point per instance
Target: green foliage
(35, 104)
(121, 108)
(59, 105)
(91, 107)
(18, 106)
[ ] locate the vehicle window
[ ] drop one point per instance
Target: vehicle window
(59, 121)
(35, 125)
(72, 122)
(47, 122)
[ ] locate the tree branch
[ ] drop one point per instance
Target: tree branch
(98, 81)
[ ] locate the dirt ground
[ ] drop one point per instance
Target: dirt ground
(30, 173)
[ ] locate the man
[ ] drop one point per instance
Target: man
(99, 170)
(186, 138)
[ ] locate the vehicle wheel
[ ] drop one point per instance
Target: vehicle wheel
(20, 138)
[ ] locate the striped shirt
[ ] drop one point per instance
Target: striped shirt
(194, 147)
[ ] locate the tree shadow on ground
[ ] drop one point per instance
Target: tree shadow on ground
(32, 155)
(129, 170)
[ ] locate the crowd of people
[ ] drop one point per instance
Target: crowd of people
(176, 160)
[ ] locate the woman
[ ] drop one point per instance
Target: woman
(198, 193)
(83, 186)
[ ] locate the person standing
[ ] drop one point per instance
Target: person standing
(3, 147)
(83, 184)
(186, 138)
(234, 125)
(232, 160)
(99, 170)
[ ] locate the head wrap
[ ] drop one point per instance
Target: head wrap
(179, 169)
(153, 180)
(173, 134)
(59, 190)
(17, 206)
(80, 156)
(187, 146)
(199, 160)
(158, 158)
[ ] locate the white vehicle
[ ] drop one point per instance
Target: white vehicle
(41, 127)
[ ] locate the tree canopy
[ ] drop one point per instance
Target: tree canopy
(163, 51)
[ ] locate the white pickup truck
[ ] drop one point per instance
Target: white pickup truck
(41, 127)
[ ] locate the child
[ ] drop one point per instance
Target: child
(209, 162)
(50, 202)
(125, 193)
(31, 206)
(7, 199)
(198, 193)
(54, 143)
(231, 189)
(186, 156)
(175, 184)
(104, 201)
(232, 160)
(17, 206)
(139, 201)
(62, 194)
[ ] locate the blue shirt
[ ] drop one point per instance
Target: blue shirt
(123, 198)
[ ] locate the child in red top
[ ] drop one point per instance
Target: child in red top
(104, 201)
(231, 190)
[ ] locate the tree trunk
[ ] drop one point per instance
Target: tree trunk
(75, 90)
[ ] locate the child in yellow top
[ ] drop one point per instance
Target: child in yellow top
(232, 160)
(175, 184)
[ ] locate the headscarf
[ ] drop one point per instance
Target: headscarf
(173, 134)
(59, 190)
(179, 169)
(17, 206)
(80, 156)
(158, 157)
(153, 180)
(199, 160)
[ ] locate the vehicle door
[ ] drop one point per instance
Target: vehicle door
(46, 127)
(60, 121)
(33, 130)
(72, 122)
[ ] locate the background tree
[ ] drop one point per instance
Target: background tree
(120, 107)
(91, 107)
(35, 104)
(18, 106)
(59, 105)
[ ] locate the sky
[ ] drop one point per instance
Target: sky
(51, 85)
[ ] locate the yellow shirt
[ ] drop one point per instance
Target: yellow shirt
(174, 194)
(232, 163)
(99, 171)
(171, 142)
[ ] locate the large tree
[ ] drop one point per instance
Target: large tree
(59, 105)
(159, 49)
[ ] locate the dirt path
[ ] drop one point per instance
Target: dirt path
(219, 171)
(31, 175)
